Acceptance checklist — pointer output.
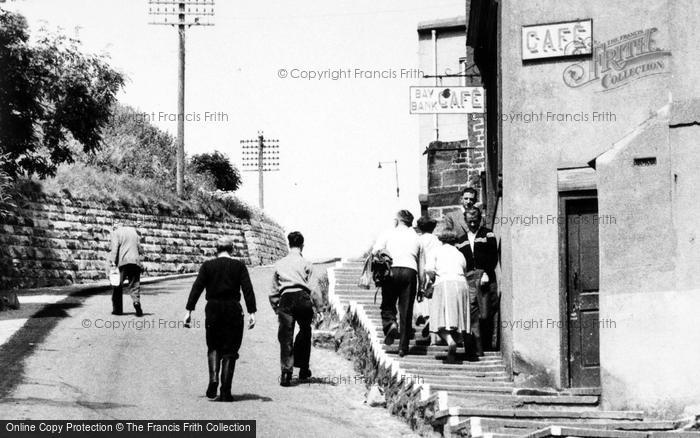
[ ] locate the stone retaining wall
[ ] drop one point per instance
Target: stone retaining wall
(52, 241)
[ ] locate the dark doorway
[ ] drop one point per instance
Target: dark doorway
(582, 285)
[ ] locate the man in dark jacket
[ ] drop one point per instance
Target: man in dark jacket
(456, 220)
(480, 249)
(224, 278)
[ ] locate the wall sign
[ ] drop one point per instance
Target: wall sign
(446, 100)
(557, 40)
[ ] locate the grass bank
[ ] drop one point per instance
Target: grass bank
(78, 181)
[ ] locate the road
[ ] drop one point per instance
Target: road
(151, 368)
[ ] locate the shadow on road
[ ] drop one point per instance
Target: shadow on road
(59, 403)
(24, 342)
(249, 397)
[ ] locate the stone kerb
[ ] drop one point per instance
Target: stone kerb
(406, 397)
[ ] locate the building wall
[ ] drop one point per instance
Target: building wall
(53, 242)
(444, 173)
(649, 286)
(643, 260)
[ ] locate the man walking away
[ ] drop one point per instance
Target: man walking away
(126, 255)
(407, 267)
(291, 299)
(224, 278)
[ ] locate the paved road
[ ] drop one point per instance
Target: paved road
(158, 371)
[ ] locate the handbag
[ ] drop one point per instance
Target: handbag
(381, 270)
(366, 276)
(114, 277)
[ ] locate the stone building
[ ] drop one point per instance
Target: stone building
(594, 120)
(451, 145)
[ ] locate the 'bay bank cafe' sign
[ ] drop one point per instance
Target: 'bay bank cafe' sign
(446, 100)
(610, 64)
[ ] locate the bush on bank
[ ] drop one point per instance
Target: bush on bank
(124, 191)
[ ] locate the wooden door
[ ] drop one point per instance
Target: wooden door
(582, 292)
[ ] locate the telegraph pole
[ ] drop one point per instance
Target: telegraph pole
(180, 156)
(181, 13)
(261, 190)
(260, 155)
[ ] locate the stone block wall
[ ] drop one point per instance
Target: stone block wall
(454, 165)
(51, 241)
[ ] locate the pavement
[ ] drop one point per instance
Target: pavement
(72, 359)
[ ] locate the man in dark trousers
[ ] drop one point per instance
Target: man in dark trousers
(224, 278)
(126, 255)
(480, 249)
(292, 300)
(404, 247)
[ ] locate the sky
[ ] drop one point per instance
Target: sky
(332, 133)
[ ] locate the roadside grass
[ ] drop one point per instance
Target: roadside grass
(124, 191)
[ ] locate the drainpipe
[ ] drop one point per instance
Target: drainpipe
(435, 74)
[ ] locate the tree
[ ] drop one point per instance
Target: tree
(49, 92)
(6, 187)
(226, 177)
(131, 144)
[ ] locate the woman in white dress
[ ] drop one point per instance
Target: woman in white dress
(428, 243)
(449, 306)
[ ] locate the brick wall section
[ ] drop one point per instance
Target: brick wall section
(53, 241)
(452, 167)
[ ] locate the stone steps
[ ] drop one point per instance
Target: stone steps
(465, 366)
(432, 350)
(464, 379)
(480, 426)
(547, 415)
(480, 397)
(459, 398)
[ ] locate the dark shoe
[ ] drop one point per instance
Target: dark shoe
(451, 354)
(472, 358)
(391, 334)
(426, 330)
(228, 365)
(114, 312)
(304, 374)
(137, 307)
(286, 378)
(211, 389)
(402, 353)
(214, 363)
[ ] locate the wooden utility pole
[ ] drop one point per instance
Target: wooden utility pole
(260, 155)
(261, 189)
(181, 13)
(180, 156)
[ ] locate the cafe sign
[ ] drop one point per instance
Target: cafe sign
(557, 40)
(446, 100)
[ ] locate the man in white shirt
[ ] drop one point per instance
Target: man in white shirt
(404, 247)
